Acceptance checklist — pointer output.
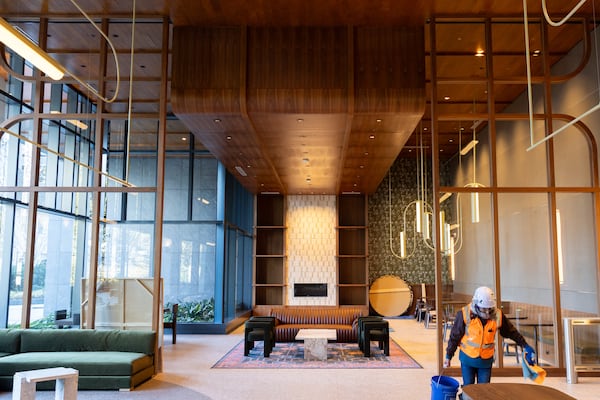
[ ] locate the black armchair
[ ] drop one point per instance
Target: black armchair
(373, 329)
(361, 322)
(171, 323)
(61, 321)
(257, 329)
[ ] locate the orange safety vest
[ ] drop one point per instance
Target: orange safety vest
(479, 340)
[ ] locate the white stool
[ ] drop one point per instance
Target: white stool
(66, 383)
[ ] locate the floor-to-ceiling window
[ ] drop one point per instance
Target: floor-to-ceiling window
(50, 221)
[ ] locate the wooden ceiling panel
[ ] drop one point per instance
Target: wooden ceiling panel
(460, 38)
(468, 67)
(298, 98)
(305, 149)
(298, 12)
(80, 36)
(306, 124)
(340, 66)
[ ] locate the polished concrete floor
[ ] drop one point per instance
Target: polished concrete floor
(188, 364)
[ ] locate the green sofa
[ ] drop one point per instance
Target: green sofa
(105, 359)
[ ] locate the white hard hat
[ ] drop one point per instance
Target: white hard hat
(484, 297)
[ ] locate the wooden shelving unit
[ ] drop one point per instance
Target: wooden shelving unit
(352, 245)
(270, 255)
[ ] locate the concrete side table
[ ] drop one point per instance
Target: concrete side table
(315, 342)
(66, 383)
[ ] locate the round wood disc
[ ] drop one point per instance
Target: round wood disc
(390, 296)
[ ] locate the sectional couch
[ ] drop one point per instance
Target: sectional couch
(290, 319)
(105, 359)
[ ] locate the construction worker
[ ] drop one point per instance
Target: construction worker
(474, 330)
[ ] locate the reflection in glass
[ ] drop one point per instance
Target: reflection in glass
(526, 270)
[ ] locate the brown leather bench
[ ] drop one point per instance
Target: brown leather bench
(290, 319)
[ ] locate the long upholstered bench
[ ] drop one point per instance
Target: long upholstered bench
(105, 359)
(290, 319)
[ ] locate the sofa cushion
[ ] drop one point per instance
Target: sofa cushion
(50, 340)
(316, 315)
(10, 340)
(109, 363)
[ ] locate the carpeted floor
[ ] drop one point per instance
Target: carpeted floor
(339, 355)
(152, 389)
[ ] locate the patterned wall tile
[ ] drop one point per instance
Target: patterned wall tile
(311, 246)
(419, 268)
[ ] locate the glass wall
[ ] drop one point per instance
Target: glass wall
(194, 242)
(535, 241)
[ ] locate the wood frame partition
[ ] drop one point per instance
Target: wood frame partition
(491, 117)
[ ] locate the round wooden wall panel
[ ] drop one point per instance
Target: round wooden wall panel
(390, 296)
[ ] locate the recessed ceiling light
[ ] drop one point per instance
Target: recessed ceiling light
(479, 53)
(446, 97)
(217, 120)
(451, 140)
(241, 171)
(184, 138)
(371, 136)
(378, 120)
(300, 120)
(228, 137)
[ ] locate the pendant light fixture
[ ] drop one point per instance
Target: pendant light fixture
(24, 47)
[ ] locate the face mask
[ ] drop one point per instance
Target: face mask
(486, 313)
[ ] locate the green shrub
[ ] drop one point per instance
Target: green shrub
(193, 311)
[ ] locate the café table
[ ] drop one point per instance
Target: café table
(512, 391)
(536, 325)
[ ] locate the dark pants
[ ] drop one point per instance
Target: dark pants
(469, 374)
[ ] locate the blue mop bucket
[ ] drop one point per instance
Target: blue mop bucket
(444, 388)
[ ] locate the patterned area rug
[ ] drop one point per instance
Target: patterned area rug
(339, 355)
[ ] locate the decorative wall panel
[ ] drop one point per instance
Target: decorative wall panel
(311, 246)
(419, 268)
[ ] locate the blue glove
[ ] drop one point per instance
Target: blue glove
(529, 355)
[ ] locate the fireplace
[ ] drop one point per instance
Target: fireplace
(310, 290)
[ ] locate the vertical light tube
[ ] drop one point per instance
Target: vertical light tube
(402, 244)
(426, 230)
(419, 215)
(475, 207)
(447, 238)
(443, 245)
(451, 260)
(561, 278)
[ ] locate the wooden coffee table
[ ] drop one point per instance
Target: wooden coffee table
(512, 391)
(315, 342)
